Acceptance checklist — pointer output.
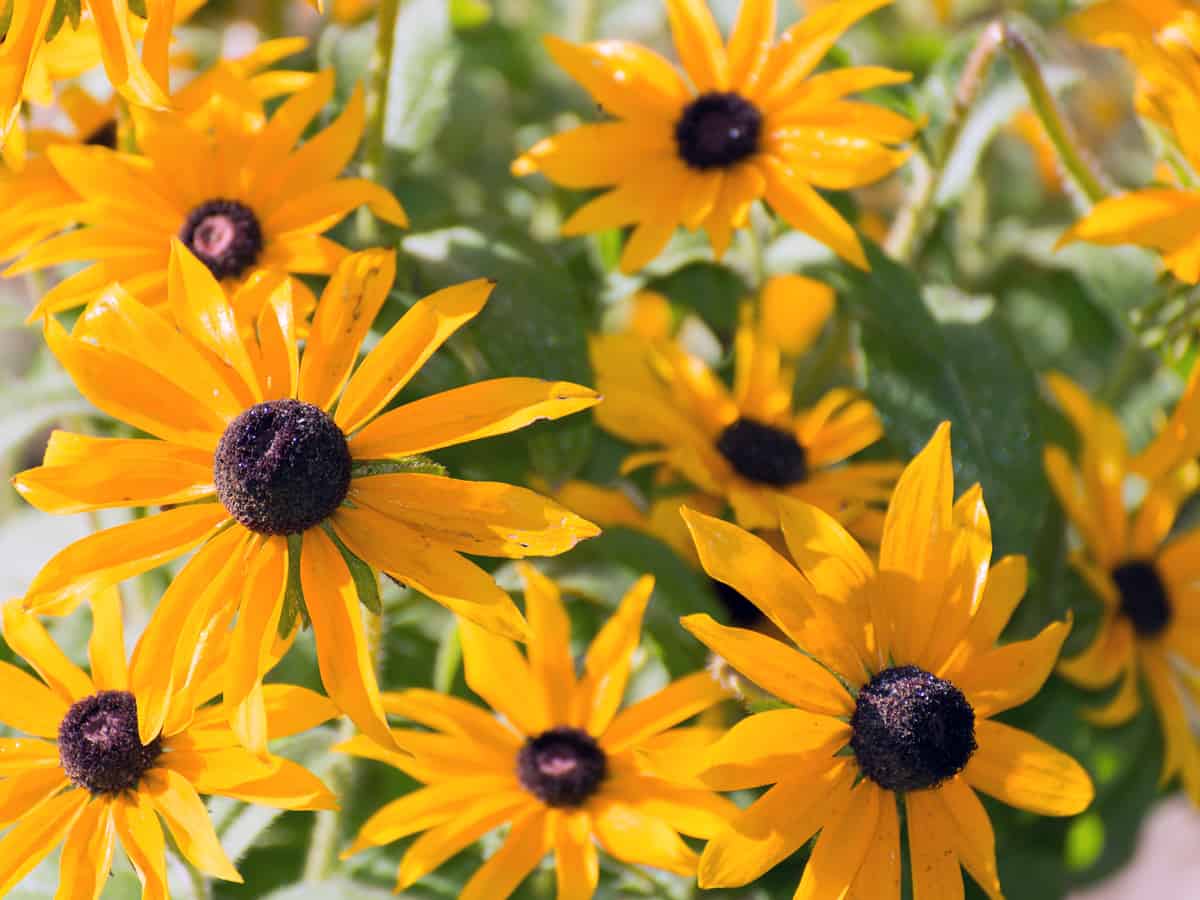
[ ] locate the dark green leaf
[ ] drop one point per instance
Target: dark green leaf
(424, 60)
(366, 584)
(362, 468)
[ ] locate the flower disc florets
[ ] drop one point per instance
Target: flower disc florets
(718, 130)
(911, 730)
(224, 235)
(1144, 598)
(282, 467)
(763, 453)
(562, 766)
(98, 743)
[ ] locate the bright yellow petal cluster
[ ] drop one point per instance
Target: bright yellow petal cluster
(925, 619)
(750, 121)
(1142, 574)
(477, 769)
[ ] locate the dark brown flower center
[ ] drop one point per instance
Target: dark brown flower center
(282, 467)
(562, 766)
(99, 747)
(763, 453)
(718, 130)
(224, 235)
(104, 136)
(911, 730)
(1144, 599)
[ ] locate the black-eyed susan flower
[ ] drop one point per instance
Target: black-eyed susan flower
(750, 121)
(749, 445)
(80, 775)
(1144, 577)
(561, 765)
(241, 196)
(262, 474)
(891, 700)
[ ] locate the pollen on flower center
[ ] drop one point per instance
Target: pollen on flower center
(282, 467)
(1144, 598)
(224, 235)
(718, 130)
(911, 730)
(562, 766)
(763, 453)
(98, 743)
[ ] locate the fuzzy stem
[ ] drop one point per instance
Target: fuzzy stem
(1061, 135)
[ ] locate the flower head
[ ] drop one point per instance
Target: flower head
(751, 120)
(561, 765)
(229, 184)
(747, 446)
(891, 701)
(274, 485)
(83, 776)
(1142, 574)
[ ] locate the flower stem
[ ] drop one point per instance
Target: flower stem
(201, 886)
(379, 78)
(1061, 135)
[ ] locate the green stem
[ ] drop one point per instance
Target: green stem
(378, 83)
(201, 886)
(1061, 135)
(584, 16)
(914, 221)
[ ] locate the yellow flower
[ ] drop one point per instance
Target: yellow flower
(142, 81)
(750, 121)
(265, 479)
(85, 779)
(1143, 577)
(242, 199)
(747, 446)
(562, 766)
(891, 699)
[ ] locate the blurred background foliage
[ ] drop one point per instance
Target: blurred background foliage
(960, 332)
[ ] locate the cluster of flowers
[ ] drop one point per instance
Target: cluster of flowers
(279, 458)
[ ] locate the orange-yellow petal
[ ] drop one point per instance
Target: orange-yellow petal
(1024, 771)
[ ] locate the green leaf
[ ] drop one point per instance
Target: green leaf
(424, 61)
(922, 372)
(332, 889)
(69, 9)
(137, 7)
(422, 465)
(29, 405)
(293, 595)
(366, 584)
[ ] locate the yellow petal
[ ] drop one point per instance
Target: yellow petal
(698, 44)
(29, 639)
(693, 811)
(576, 864)
(639, 838)
(750, 43)
(804, 209)
(25, 790)
(675, 703)
(348, 306)
(794, 309)
(187, 819)
(974, 840)
(484, 518)
(1025, 772)
(142, 840)
(596, 155)
(549, 646)
(406, 346)
(253, 636)
(625, 79)
(1011, 675)
(606, 663)
(30, 706)
(1005, 587)
(452, 716)
(844, 843)
(20, 754)
(529, 840)
(87, 853)
(279, 352)
(760, 747)
(496, 671)
(1110, 653)
(125, 70)
(879, 877)
(106, 557)
(775, 826)
(920, 509)
(237, 773)
(31, 840)
(320, 208)
(468, 413)
(347, 670)
(789, 675)
(106, 647)
(931, 841)
(429, 567)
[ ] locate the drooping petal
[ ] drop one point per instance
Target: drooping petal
(844, 843)
(675, 703)
(187, 819)
(526, 844)
(805, 210)
(143, 842)
(347, 670)
(1024, 771)
(880, 877)
(33, 838)
(931, 841)
(25, 790)
(975, 842)
(406, 347)
(87, 853)
(576, 864)
(468, 413)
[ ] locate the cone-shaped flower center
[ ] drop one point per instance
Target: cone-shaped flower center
(224, 235)
(718, 130)
(281, 467)
(911, 730)
(104, 136)
(98, 743)
(1144, 598)
(763, 453)
(562, 766)
(740, 610)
